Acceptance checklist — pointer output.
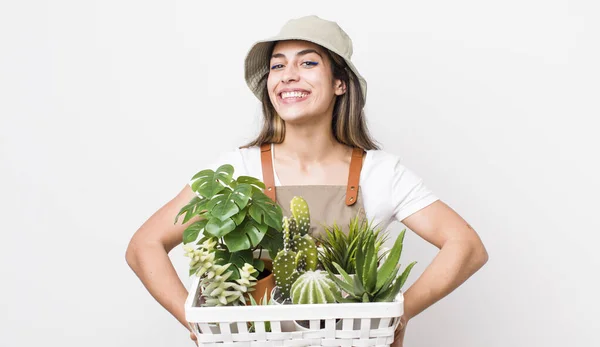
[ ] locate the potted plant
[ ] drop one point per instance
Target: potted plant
(237, 223)
(372, 283)
(337, 246)
(313, 287)
(299, 253)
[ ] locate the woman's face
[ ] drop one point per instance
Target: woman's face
(300, 82)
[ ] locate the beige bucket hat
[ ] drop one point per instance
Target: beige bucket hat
(325, 33)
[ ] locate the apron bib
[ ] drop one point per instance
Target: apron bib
(327, 204)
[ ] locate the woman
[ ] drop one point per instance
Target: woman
(315, 143)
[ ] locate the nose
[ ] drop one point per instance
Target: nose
(290, 74)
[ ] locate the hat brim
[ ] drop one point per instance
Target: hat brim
(256, 63)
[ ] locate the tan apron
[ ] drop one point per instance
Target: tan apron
(327, 204)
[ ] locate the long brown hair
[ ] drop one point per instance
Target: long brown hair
(348, 125)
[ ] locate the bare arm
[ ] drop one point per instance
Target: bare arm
(461, 254)
(147, 255)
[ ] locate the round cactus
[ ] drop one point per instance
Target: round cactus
(314, 287)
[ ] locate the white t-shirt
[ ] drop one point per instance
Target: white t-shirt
(388, 189)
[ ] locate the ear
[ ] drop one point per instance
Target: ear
(340, 87)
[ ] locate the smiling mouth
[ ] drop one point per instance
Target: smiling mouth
(293, 96)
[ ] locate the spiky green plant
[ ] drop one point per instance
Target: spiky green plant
(314, 287)
(299, 253)
(263, 301)
(339, 247)
(372, 284)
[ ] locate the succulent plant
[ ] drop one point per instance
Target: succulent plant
(314, 287)
(299, 253)
(372, 284)
(219, 288)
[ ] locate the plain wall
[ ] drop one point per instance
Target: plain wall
(107, 108)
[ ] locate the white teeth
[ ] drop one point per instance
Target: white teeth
(286, 95)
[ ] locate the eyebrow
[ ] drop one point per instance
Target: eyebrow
(303, 52)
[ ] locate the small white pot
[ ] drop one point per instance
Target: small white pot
(286, 325)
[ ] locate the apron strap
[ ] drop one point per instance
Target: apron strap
(267, 169)
(353, 175)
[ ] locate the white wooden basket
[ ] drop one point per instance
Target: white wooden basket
(353, 324)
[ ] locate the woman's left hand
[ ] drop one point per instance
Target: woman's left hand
(399, 334)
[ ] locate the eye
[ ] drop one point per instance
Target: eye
(310, 63)
(276, 66)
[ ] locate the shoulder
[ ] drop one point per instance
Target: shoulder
(242, 159)
(398, 189)
(380, 164)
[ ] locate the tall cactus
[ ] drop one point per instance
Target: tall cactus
(285, 263)
(299, 252)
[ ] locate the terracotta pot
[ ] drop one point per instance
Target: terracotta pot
(265, 284)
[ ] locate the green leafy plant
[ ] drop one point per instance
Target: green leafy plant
(237, 214)
(339, 247)
(370, 283)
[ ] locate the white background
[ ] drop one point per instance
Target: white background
(108, 107)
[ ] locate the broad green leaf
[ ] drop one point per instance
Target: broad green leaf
(392, 260)
(208, 182)
(237, 241)
(222, 206)
(273, 241)
(259, 264)
(239, 217)
(264, 210)
(251, 181)
(222, 256)
(254, 231)
(219, 228)
(194, 207)
(241, 195)
(190, 234)
(241, 257)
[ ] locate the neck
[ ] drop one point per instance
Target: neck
(310, 143)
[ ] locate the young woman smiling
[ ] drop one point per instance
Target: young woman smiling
(314, 143)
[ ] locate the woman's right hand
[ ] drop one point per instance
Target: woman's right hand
(193, 337)
(147, 254)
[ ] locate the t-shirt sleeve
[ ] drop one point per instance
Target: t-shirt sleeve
(409, 193)
(232, 157)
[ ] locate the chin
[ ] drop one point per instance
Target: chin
(295, 118)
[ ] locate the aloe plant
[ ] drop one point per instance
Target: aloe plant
(373, 284)
(263, 301)
(337, 246)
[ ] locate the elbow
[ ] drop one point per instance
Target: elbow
(131, 256)
(479, 255)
